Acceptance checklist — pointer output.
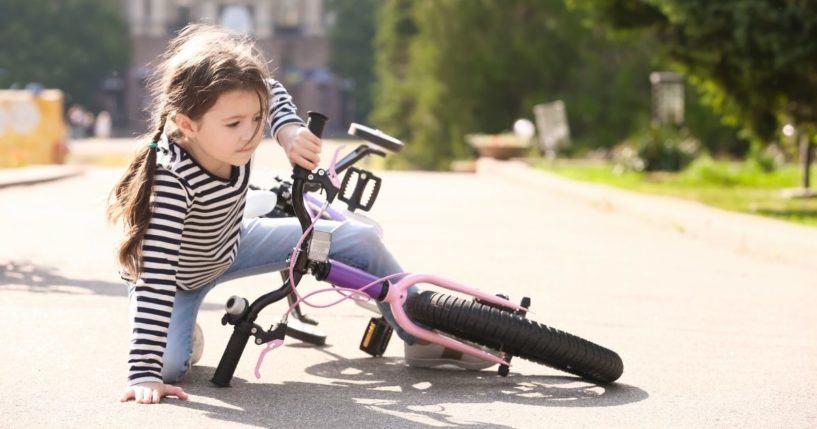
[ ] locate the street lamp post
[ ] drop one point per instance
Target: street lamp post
(803, 139)
(806, 154)
(667, 97)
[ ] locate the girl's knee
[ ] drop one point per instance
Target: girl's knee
(360, 245)
(367, 236)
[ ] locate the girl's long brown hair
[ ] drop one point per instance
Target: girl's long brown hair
(200, 64)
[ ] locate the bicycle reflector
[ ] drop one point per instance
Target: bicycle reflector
(359, 189)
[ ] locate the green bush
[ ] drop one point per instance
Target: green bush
(705, 171)
(659, 148)
(766, 159)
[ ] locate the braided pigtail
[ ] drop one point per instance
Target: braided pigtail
(201, 63)
(130, 201)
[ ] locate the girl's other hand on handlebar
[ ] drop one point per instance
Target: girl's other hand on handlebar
(301, 146)
(152, 393)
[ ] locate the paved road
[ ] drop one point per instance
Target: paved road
(710, 336)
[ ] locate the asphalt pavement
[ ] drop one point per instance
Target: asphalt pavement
(714, 330)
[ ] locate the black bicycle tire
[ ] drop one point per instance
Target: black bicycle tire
(494, 328)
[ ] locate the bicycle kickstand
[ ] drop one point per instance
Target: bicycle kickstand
(297, 311)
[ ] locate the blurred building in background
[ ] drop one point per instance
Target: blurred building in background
(292, 34)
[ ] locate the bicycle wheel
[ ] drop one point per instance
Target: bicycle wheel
(501, 329)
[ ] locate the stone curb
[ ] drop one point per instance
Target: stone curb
(769, 239)
(24, 176)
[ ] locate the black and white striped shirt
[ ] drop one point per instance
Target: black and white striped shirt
(192, 238)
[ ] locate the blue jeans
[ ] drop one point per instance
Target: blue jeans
(265, 245)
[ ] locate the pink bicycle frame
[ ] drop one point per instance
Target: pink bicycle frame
(397, 296)
(351, 278)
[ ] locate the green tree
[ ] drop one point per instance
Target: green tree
(395, 31)
(469, 66)
(753, 60)
(68, 44)
(352, 50)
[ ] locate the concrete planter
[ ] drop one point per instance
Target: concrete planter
(498, 146)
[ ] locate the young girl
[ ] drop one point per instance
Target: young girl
(182, 200)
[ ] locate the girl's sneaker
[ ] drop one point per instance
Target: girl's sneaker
(434, 355)
(198, 344)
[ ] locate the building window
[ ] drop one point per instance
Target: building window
(238, 18)
(287, 14)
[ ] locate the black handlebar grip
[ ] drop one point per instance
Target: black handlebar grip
(232, 354)
(316, 122)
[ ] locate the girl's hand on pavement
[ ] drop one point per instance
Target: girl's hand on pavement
(152, 393)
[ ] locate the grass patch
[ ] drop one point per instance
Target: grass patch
(740, 187)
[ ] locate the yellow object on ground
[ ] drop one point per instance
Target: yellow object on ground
(32, 128)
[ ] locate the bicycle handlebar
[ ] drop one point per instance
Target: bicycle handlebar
(315, 124)
(245, 327)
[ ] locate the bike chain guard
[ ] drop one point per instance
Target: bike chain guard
(360, 195)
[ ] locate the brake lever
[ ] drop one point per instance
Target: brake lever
(326, 179)
(333, 174)
(318, 180)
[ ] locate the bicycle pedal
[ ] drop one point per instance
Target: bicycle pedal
(376, 337)
(359, 189)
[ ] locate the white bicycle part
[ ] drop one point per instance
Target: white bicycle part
(197, 344)
(259, 203)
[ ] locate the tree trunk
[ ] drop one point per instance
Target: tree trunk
(805, 156)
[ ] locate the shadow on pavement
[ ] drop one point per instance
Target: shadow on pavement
(27, 276)
(383, 392)
(30, 277)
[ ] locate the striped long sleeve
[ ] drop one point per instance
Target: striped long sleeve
(282, 109)
(192, 239)
(155, 290)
